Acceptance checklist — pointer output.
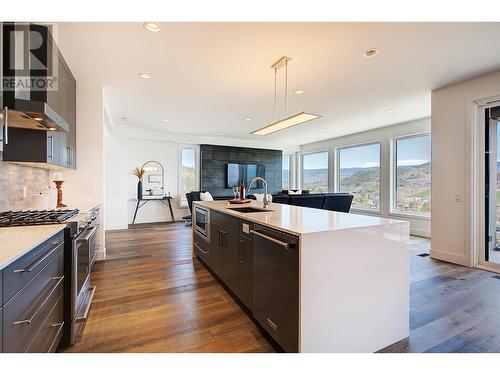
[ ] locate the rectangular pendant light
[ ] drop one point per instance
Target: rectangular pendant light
(298, 118)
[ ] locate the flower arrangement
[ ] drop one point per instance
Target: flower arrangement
(138, 172)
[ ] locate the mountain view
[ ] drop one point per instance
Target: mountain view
(413, 186)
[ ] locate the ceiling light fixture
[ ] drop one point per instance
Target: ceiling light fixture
(371, 52)
(391, 110)
(145, 75)
(285, 121)
(164, 119)
(221, 134)
(248, 119)
(152, 26)
(298, 92)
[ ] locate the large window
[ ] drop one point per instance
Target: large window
(412, 182)
(187, 173)
(315, 172)
(285, 172)
(359, 174)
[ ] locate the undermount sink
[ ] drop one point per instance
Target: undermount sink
(247, 210)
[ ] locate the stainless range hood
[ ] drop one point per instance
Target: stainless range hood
(31, 114)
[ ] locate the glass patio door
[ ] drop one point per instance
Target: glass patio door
(491, 255)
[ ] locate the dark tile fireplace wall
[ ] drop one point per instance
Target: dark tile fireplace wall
(215, 158)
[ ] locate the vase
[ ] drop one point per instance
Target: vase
(139, 190)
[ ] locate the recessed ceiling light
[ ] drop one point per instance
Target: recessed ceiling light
(391, 110)
(221, 134)
(152, 26)
(298, 92)
(371, 52)
(164, 119)
(248, 119)
(52, 129)
(37, 118)
(144, 75)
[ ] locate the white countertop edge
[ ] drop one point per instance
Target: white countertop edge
(39, 239)
(225, 210)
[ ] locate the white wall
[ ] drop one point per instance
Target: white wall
(452, 116)
(123, 155)
(420, 227)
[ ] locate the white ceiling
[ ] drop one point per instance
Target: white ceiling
(208, 77)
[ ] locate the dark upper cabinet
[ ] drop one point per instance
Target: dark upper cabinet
(52, 139)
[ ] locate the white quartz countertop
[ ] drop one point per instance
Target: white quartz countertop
(17, 241)
(299, 220)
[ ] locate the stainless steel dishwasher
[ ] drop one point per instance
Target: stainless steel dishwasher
(275, 285)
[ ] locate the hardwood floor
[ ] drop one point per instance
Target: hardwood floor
(151, 297)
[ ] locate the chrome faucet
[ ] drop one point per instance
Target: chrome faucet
(265, 201)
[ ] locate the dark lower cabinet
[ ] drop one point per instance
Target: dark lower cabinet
(31, 312)
(275, 285)
(245, 270)
(260, 266)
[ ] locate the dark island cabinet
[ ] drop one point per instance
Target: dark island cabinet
(275, 285)
(260, 266)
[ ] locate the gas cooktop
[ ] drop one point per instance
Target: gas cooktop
(20, 218)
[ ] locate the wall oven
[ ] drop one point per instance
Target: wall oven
(201, 221)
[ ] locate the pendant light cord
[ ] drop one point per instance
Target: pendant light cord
(275, 94)
(286, 86)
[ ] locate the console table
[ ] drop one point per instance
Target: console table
(166, 200)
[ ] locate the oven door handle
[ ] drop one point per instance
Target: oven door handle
(86, 312)
(87, 237)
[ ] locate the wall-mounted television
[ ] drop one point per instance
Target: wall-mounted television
(244, 172)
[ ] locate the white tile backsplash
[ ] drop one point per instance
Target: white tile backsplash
(13, 178)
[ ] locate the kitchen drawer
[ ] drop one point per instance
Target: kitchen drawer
(225, 221)
(25, 313)
(202, 247)
(17, 274)
(49, 335)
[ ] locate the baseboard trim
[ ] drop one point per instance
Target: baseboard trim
(449, 257)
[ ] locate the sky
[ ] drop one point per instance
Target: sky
(188, 157)
(412, 151)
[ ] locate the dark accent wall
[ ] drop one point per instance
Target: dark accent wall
(215, 158)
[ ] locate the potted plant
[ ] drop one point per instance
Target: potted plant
(139, 173)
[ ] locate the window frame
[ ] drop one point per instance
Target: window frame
(179, 171)
(337, 174)
(320, 151)
(290, 168)
(393, 176)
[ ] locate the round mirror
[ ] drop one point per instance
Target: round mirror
(153, 180)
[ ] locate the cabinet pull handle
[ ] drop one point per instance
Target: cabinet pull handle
(30, 320)
(269, 238)
(222, 238)
(6, 125)
(240, 243)
(68, 155)
(199, 248)
(57, 324)
(51, 138)
(86, 313)
(39, 261)
(272, 324)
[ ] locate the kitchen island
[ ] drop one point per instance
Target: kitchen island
(314, 280)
